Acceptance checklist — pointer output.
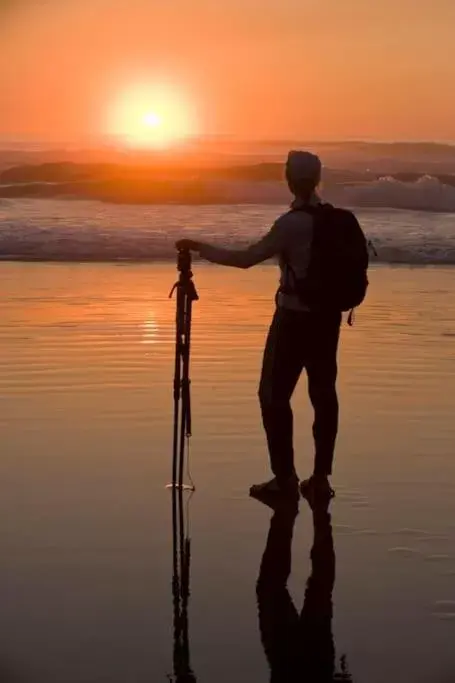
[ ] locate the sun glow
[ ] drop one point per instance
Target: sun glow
(151, 117)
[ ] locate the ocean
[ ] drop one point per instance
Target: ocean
(57, 229)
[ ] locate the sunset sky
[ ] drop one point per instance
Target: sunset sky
(77, 69)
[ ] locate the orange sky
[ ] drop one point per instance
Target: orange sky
(252, 68)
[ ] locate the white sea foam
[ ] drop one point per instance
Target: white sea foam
(81, 230)
(425, 194)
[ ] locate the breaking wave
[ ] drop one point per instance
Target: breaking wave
(257, 185)
(425, 194)
(92, 231)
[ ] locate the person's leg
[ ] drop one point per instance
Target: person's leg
(321, 366)
(317, 642)
(282, 366)
(278, 617)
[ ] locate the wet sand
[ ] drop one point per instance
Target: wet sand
(86, 368)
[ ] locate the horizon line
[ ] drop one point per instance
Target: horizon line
(90, 143)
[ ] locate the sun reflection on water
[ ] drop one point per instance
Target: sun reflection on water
(150, 330)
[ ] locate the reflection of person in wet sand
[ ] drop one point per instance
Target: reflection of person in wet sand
(298, 647)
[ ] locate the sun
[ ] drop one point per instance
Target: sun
(157, 117)
(153, 120)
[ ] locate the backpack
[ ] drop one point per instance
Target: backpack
(336, 279)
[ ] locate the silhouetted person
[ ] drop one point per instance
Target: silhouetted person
(319, 279)
(298, 647)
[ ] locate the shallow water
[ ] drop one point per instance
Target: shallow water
(86, 369)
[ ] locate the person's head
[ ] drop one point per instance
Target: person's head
(303, 173)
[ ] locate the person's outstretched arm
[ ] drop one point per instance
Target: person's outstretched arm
(268, 246)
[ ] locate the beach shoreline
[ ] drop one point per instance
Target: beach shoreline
(86, 372)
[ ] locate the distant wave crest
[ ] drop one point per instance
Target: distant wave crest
(249, 184)
(425, 194)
